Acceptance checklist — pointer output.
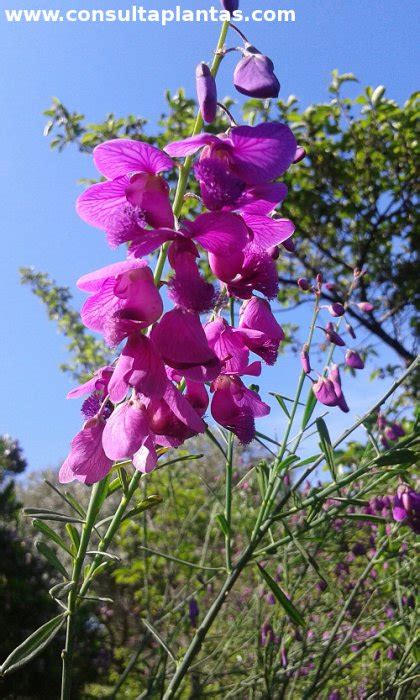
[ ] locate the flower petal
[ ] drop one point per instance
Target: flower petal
(100, 202)
(269, 232)
(125, 431)
(220, 233)
(189, 146)
(263, 152)
(122, 156)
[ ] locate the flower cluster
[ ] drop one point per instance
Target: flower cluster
(155, 394)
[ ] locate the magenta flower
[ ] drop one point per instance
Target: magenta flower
(406, 507)
(229, 346)
(332, 335)
(124, 299)
(139, 366)
(365, 306)
(254, 75)
(305, 360)
(258, 273)
(134, 195)
(325, 392)
(126, 432)
(187, 288)
(87, 461)
(334, 377)
(98, 383)
(260, 330)
(244, 157)
(354, 360)
(206, 92)
(182, 343)
(236, 407)
(177, 417)
(336, 309)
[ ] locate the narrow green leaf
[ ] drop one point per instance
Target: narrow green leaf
(309, 408)
(185, 458)
(282, 598)
(281, 403)
(65, 498)
(122, 475)
(223, 524)
(149, 502)
(51, 556)
(326, 446)
(77, 507)
(60, 590)
(396, 457)
(158, 638)
(44, 514)
(306, 461)
(364, 516)
(114, 486)
(106, 555)
(73, 533)
(54, 536)
(33, 645)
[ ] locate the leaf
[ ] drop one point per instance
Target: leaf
(44, 514)
(54, 536)
(326, 446)
(33, 645)
(377, 95)
(281, 403)
(309, 408)
(282, 598)
(122, 474)
(223, 524)
(106, 555)
(364, 516)
(61, 589)
(149, 502)
(51, 556)
(73, 533)
(70, 502)
(157, 636)
(396, 457)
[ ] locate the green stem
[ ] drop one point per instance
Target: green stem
(96, 500)
(228, 506)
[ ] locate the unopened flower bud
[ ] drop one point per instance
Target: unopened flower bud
(230, 5)
(206, 92)
(330, 286)
(299, 155)
(336, 309)
(274, 252)
(289, 245)
(350, 330)
(324, 392)
(319, 279)
(333, 336)
(305, 360)
(254, 75)
(334, 377)
(354, 360)
(365, 306)
(303, 284)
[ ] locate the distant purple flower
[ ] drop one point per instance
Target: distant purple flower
(230, 5)
(235, 407)
(333, 336)
(365, 306)
(260, 330)
(406, 507)
(303, 284)
(193, 612)
(244, 157)
(354, 360)
(324, 392)
(336, 309)
(334, 377)
(134, 196)
(305, 360)
(254, 75)
(206, 92)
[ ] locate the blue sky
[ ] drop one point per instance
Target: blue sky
(97, 68)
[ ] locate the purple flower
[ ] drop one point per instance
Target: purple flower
(182, 343)
(127, 431)
(254, 75)
(187, 288)
(236, 407)
(336, 309)
(193, 612)
(365, 306)
(334, 377)
(229, 346)
(324, 392)
(354, 360)
(134, 195)
(332, 335)
(87, 461)
(258, 273)
(230, 5)
(177, 417)
(406, 507)
(394, 431)
(260, 330)
(139, 366)
(123, 299)
(244, 157)
(303, 284)
(305, 360)
(98, 383)
(206, 92)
